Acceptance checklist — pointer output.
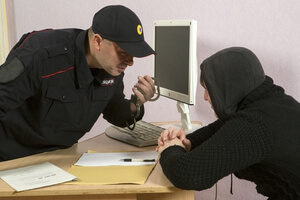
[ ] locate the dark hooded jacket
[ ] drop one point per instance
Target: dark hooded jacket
(256, 136)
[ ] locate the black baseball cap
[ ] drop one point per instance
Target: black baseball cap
(122, 26)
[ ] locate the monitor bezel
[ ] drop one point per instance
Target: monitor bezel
(191, 96)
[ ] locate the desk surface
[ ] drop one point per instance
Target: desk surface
(65, 158)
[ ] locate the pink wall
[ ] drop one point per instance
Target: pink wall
(270, 28)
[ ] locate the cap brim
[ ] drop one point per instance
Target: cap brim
(136, 49)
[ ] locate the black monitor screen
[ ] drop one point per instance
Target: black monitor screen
(172, 59)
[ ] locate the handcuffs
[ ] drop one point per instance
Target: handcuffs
(135, 100)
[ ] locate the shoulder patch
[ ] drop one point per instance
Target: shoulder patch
(11, 70)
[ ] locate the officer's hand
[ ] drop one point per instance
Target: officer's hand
(144, 89)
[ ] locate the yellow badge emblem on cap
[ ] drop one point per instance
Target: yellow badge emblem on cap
(139, 29)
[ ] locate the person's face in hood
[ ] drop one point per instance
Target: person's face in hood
(228, 76)
(206, 97)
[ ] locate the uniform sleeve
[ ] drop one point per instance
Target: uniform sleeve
(239, 143)
(118, 110)
(18, 82)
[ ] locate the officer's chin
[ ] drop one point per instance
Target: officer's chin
(115, 73)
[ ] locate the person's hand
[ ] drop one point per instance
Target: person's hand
(169, 143)
(144, 89)
(170, 134)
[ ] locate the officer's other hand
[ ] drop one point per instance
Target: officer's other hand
(144, 89)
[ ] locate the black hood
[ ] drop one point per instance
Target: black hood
(229, 75)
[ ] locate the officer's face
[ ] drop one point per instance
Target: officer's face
(112, 58)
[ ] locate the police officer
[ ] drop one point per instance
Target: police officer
(54, 84)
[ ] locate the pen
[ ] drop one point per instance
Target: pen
(137, 160)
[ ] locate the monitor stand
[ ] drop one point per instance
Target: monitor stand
(186, 124)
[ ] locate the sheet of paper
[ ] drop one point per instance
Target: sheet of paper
(35, 176)
(109, 159)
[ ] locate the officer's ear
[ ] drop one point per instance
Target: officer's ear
(97, 41)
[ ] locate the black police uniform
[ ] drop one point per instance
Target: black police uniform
(49, 97)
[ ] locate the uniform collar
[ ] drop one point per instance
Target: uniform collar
(83, 73)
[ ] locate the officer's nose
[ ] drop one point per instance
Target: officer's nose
(129, 61)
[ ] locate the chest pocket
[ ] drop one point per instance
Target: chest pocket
(62, 95)
(63, 106)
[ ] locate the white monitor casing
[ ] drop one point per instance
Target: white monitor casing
(193, 66)
(183, 100)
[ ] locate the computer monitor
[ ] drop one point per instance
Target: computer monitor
(175, 65)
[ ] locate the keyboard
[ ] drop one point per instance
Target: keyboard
(144, 134)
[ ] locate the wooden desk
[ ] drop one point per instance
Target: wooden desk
(156, 187)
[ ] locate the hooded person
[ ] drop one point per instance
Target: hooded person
(256, 135)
